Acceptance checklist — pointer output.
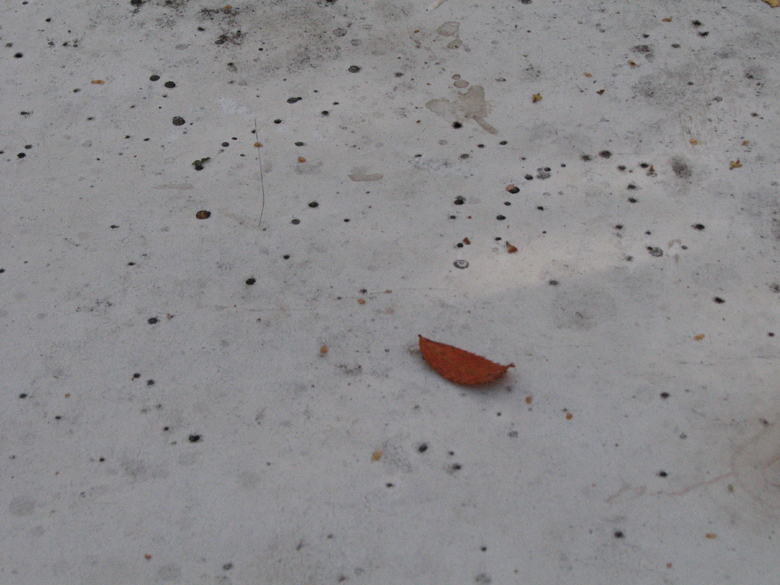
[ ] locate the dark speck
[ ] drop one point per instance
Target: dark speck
(457, 125)
(225, 144)
(605, 154)
(456, 466)
(178, 121)
(277, 121)
(293, 100)
(299, 144)
(529, 177)
(423, 448)
(23, 395)
(655, 251)
(664, 395)
(459, 200)
(662, 474)
(18, 55)
(170, 84)
(152, 320)
(154, 78)
(295, 221)
(552, 282)
(194, 438)
(500, 217)
(314, 204)
(719, 300)
(250, 281)
(619, 534)
(698, 226)
(21, 155)
(632, 199)
(353, 69)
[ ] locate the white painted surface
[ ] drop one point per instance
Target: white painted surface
(219, 444)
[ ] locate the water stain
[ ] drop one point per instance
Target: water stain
(470, 105)
(362, 174)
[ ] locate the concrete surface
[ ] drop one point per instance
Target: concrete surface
(240, 400)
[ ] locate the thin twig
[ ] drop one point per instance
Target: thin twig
(262, 183)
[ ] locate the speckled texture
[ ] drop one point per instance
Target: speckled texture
(193, 395)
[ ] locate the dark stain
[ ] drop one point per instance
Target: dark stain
(680, 168)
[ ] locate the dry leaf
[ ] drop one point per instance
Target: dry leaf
(323, 349)
(97, 82)
(666, 20)
(458, 365)
(735, 164)
(301, 159)
(588, 74)
(362, 301)
(467, 241)
(600, 92)
(529, 399)
(699, 337)
(773, 3)
(376, 455)
(632, 63)
(711, 535)
(510, 248)
(258, 145)
(693, 142)
(537, 97)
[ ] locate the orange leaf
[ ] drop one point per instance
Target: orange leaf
(458, 365)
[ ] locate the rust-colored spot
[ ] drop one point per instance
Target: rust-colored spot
(376, 455)
(510, 248)
(323, 349)
(97, 82)
(362, 301)
(586, 74)
(666, 20)
(632, 63)
(529, 399)
(600, 92)
(203, 214)
(460, 366)
(711, 535)
(699, 337)
(569, 416)
(693, 142)
(301, 159)
(258, 145)
(148, 557)
(467, 241)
